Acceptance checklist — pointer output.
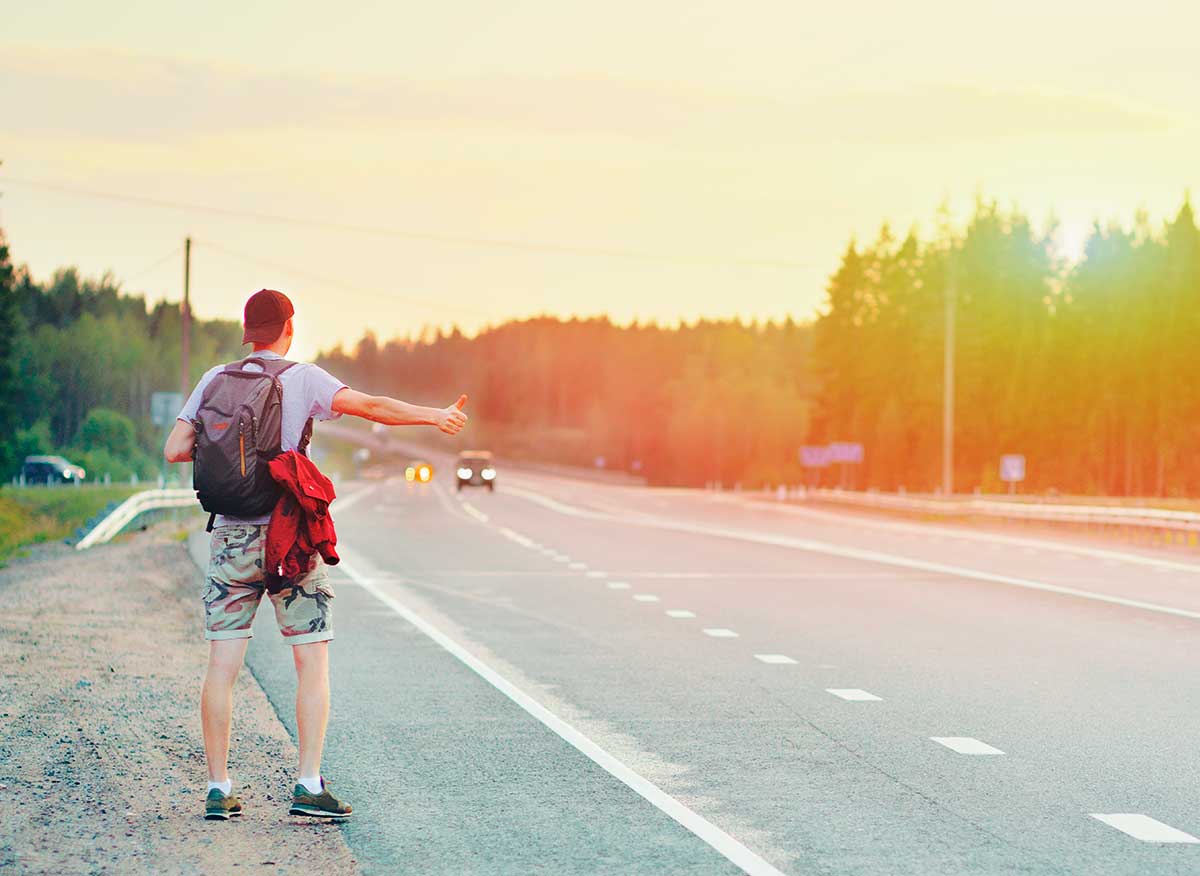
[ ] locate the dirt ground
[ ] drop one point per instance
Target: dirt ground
(101, 761)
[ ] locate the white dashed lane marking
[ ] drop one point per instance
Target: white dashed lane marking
(774, 658)
(617, 585)
(595, 574)
(680, 613)
(853, 694)
(516, 536)
(965, 745)
(720, 633)
(577, 566)
(562, 558)
(645, 597)
(1145, 828)
(475, 512)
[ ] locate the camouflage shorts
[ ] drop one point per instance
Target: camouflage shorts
(234, 586)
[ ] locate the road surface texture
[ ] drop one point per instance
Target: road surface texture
(570, 677)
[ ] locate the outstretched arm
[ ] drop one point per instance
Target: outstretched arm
(393, 412)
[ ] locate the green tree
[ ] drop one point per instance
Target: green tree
(104, 429)
(11, 330)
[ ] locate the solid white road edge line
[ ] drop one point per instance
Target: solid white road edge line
(1145, 828)
(723, 843)
(341, 504)
(994, 541)
(869, 556)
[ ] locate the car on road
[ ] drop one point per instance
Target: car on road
(476, 469)
(51, 470)
(419, 471)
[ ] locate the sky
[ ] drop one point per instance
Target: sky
(466, 162)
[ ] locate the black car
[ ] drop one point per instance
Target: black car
(51, 470)
(475, 469)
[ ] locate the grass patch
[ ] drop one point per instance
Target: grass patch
(34, 514)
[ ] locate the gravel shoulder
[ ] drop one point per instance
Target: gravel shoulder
(101, 760)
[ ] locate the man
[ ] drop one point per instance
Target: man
(234, 581)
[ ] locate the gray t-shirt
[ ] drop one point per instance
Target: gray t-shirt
(308, 391)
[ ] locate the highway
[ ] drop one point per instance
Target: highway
(571, 677)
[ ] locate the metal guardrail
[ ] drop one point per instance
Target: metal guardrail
(131, 508)
(1106, 515)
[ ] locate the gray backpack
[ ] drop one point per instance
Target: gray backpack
(238, 432)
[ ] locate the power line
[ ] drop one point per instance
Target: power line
(157, 264)
(494, 243)
(430, 303)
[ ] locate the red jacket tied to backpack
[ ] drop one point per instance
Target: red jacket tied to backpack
(300, 524)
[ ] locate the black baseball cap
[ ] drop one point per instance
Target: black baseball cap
(266, 312)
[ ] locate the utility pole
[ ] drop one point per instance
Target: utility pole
(185, 318)
(948, 384)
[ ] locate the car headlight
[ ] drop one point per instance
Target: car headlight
(425, 473)
(464, 473)
(488, 473)
(410, 474)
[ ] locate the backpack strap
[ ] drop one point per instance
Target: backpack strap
(305, 437)
(275, 367)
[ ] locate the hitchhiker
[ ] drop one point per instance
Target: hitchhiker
(232, 480)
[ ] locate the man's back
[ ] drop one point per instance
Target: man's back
(308, 391)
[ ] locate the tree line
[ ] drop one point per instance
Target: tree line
(1082, 365)
(720, 401)
(1085, 368)
(79, 360)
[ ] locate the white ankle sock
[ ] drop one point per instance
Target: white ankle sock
(312, 783)
(225, 787)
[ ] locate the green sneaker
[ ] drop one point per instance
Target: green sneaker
(323, 805)
(217, 806)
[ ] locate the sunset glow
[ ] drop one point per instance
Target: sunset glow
(705, 135)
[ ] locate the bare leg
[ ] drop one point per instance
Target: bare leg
(312, 703)
(225, 658)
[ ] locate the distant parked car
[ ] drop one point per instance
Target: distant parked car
(475, 469)
(51, 470)
(420, 471)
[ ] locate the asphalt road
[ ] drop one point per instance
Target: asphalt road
(573, 678)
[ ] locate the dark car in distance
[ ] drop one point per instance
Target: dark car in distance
(51, 470)
(475, 469)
